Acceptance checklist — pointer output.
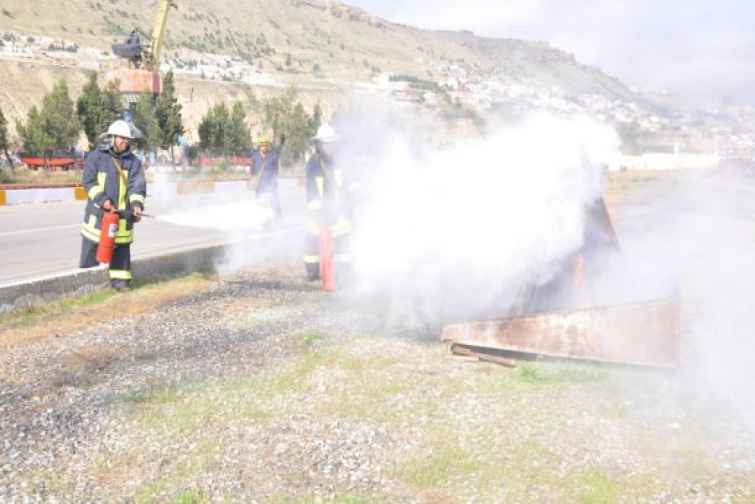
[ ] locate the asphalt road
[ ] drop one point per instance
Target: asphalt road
(44, 239)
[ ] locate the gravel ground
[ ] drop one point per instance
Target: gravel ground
(264, 389)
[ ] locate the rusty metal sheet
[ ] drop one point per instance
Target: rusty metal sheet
(644, 334)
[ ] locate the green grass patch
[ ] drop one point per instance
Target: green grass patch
(181, 475)
(366, 385)
(296, 379)
(442, 462)
(364, 399)
(338, 499)
(617, 411)
(191, 497)
(28, 316)
(309, 340)
(179, 417)
(92, 298)
(596, 488)
(438, 468)
(160, 396)
(175, 412)
(539, 374)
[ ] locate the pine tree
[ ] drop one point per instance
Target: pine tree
(146, 120)
(34, 135)
(285, 116)
(168, 112)
(225, 131)
(239, 134)
(4, 140)
(54, 126)
(96, 109)
(213, 129)
(60, 116)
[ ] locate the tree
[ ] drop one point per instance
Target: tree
(285, 115)
(97, 108)
(316, 120)
(223, 131)
(146, 120)
(168, 112)
(34, 136)
(239, 134)
(58, 109)
(54, 126)
(4, 140)
(212, 128)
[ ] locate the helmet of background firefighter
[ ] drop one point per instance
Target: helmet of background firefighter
(262, 140)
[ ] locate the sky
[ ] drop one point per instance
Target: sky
(703, 50)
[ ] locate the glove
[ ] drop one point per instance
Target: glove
(137, 213)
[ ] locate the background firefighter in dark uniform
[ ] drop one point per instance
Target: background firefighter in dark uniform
(265, 165)
(114, 180)
(327, 202)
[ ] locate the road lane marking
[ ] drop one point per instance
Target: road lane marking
(36, 230)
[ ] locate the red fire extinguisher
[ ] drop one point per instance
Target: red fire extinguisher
(326, 260)
(107, 237)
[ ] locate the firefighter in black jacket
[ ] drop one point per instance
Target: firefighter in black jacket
(114, 180)
(327, 202)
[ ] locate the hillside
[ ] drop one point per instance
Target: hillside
(346, 42)
(233, 49)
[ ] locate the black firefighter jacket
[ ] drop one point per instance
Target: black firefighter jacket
(119, 178)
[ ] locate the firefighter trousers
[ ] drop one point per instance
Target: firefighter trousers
(120, 264)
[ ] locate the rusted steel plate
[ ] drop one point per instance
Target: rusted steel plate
(644, 334)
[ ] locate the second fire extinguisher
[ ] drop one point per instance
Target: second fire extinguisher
(326, 260)
(107, 237)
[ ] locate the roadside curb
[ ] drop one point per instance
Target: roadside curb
(212, 256)
(14, 194)
(41, 195)
(76, 282)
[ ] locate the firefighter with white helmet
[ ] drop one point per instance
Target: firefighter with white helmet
(115, 182)
(327, 203)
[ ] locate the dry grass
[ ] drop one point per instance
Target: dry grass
(22, 175)
(67, 316)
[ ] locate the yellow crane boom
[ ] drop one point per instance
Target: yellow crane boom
(158, 31)
(143, 76)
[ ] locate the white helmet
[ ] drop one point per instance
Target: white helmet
(123, 129)
(326, 134)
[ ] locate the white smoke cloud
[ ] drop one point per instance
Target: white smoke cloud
(463, 228)
(698, 233)
(451, 233)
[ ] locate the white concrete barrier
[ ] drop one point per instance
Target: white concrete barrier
(160, 191)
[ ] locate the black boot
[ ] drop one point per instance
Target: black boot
(120, 285)
(313, 271)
